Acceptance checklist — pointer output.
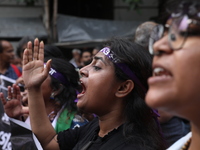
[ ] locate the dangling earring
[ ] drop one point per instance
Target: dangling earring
(52, 95)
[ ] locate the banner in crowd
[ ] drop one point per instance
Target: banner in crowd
(5, 134)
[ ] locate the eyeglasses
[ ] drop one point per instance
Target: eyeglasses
(177, 33)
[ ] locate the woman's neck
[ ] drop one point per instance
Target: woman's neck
(109, 122)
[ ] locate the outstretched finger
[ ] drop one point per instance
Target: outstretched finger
(18, 97)
(16, 92)
(41, 51)
(30, 51)
(36, 44)
(2, 98)
(25, 57)
(10, 90)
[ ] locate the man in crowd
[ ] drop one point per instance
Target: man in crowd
(86, 58)
(76, 54)
(6, 58)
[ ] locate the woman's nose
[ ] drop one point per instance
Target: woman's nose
(162, 46)
(84, 71)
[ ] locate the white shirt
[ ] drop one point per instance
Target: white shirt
(178, 144)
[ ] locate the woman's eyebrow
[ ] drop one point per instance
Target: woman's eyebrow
(100, 58)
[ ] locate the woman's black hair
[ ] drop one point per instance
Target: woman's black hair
(53, 51)
(67, 95)
(140, 125)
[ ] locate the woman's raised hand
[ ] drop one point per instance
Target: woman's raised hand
(12, 104)
(34, 72)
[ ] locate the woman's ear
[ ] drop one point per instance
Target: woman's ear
(125, 88)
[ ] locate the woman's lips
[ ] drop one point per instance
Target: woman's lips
(159, 75)
(158, 71)
(83, 90)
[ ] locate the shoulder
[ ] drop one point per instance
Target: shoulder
(180, 142)
(89, 126)
(70, 137)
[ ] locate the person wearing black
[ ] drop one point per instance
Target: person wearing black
(113, 87)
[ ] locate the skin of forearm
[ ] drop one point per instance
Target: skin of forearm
(40, 123)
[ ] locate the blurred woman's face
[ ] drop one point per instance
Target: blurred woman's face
(99, 86)
(46, 88)
(175, 83)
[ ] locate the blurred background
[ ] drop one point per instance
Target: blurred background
(69, 24)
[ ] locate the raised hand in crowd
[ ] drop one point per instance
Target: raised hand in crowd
(12, 103)
(34, 65)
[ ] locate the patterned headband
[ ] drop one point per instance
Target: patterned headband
(57, 75)
(106, 51)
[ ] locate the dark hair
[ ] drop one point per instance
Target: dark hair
(23, 42)
(52, 51)
(68, 94)
(140, 125)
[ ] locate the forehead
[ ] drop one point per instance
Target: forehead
(86, 53)
(103, 57)
(6, 45)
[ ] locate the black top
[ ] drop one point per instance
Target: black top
(86, 138)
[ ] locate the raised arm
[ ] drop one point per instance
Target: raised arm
(34, 74)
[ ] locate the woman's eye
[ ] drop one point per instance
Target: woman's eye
(96, 68)
(173, 37)
(183, 33)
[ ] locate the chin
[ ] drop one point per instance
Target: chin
(156, 99)
(79, 105)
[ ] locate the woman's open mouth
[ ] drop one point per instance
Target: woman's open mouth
(83, 90)
(159, 75)
(158, 71)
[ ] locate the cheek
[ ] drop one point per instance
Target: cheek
(46, 88)
(188, 81)
(188, 70)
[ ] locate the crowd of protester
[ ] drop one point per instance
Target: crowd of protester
(127, 94)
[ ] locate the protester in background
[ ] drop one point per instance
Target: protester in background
(142, 33)
(114, 86)
(76, 58)
(59, 92)
(173, 128)
(6, 57)
(86, 58)
(61, 102)
(11, 71)
(174, 86)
